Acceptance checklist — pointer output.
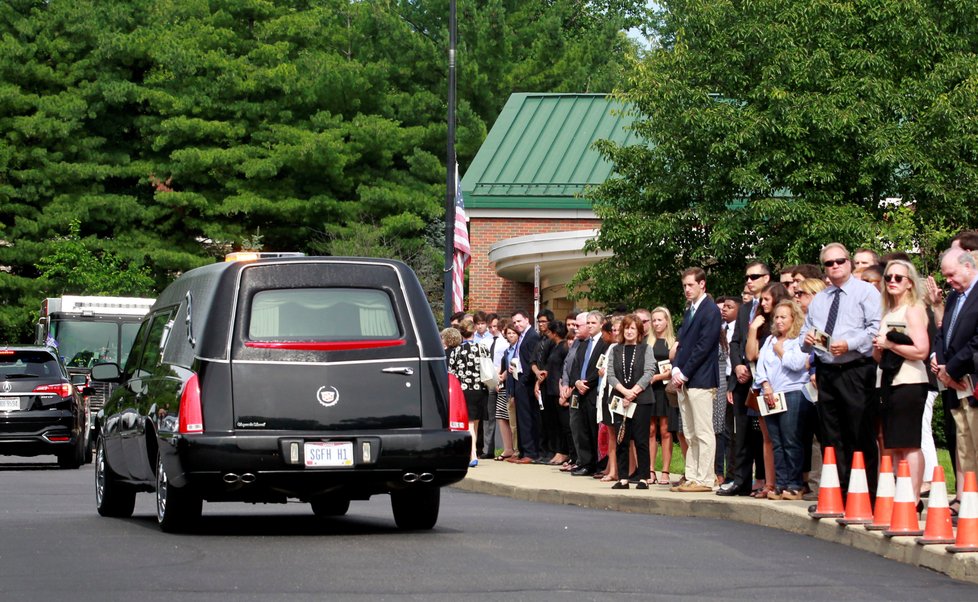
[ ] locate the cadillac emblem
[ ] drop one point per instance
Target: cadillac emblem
(327, 396)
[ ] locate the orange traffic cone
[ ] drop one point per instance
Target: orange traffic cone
(904, 519)
(829, 490)
(885, 489)
(938, 528)
(859, 508)
(967, 540)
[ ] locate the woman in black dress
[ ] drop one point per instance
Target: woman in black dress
(463, 362)
(662, 340)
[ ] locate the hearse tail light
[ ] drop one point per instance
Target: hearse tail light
(191, 415)
(62, 389)
(458, 413)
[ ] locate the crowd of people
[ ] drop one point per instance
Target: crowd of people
(852, 352)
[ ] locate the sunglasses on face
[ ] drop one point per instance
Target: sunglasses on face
(755, 276)
(832, 262)
(799, 294)
(898, 278)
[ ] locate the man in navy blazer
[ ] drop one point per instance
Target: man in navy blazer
(695, 373)
(953, 354)
(527, 408)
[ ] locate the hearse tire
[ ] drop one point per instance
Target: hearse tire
(112, 498)
(328, 506)
(416, 508)
(177, 508)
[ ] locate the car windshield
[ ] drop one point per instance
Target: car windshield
(322, 314)
(28, 364)
(84, 344)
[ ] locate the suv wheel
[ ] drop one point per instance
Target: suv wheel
(327, 506)
(416, 508)
(112, 498)
(73, 457)
(177, 508)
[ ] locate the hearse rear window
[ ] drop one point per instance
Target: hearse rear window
(322, 314)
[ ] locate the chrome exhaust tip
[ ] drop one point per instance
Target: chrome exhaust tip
(426, 477)
(231, 478)
(248, 478)
(409, 477)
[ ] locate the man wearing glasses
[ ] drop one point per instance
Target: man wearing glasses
(848, 312)
(756, 278)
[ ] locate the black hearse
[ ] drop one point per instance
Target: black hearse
(321, 379)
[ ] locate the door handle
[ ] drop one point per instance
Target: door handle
(399, 370)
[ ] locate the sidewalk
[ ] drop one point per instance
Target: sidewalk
(536, 483)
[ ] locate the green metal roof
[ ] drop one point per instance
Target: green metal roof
(539, 153)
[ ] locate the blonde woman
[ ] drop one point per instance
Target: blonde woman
(662, 340)
(900, 348)
(782, 368)
(805, 290)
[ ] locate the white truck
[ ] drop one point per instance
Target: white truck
(87, 330)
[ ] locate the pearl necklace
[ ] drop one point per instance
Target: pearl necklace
(629, 368)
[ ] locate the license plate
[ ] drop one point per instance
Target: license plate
(9, 404)
(328, 453)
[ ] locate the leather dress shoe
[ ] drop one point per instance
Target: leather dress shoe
(583, 471)
(524, 460)
(733, 491)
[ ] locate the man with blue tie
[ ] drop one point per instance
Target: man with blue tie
(585, 393)
(695, 374)
(849, 312)
(952, 359)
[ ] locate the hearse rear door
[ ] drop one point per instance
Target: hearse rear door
(324, 345)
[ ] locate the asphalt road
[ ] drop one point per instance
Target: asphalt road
(53, 545)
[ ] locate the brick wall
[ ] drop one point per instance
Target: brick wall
(489, 292)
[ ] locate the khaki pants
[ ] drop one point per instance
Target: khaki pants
(696, 410)
(966, 426)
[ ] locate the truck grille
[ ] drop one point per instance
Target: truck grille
(102, 390)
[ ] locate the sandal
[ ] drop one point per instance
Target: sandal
(762, 493)
(608, 478)
(503, 457)
(665, 480)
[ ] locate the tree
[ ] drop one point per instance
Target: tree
(175, 130)
(76, 268)
(776, 126)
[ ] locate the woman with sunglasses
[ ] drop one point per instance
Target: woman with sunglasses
(900, 348)
(758, 332)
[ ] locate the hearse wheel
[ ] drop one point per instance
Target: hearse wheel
(112, 498)
(416, 508)
(328, 506)
(177, 508)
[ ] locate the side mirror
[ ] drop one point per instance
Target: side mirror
(79, 380)
(106, 372)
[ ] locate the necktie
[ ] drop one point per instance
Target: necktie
(954, 318)
(753, 311)
(833, 312)
(692, 311)
(587, 358)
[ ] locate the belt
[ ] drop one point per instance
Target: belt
(859, 363)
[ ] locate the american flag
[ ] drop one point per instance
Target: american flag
(463, 251)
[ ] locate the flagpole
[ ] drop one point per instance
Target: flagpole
(450, 168)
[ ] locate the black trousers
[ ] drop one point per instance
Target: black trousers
(636, 429)
(527, 422)
(740, 456)
(584, 426)
(551, 435)
(848, 409)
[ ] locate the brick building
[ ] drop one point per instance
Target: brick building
(524, 198)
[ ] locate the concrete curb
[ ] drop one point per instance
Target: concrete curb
(536, 483)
